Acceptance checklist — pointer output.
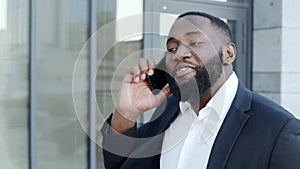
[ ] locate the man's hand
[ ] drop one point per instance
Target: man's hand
(135, 96)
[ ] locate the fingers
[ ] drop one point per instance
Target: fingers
(135, 71)
(162, 95)
(165, 91)
(152, 66)
(128, 78)
(144, 67)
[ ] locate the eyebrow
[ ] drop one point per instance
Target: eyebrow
(170, 39)
(186, 34)
(193, 33)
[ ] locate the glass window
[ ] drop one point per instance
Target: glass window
(241, 1)
(231, 0)
(14, 94)
(118, 11)
(62, 30)
(115, 14)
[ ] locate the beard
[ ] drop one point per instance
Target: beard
(201, 83)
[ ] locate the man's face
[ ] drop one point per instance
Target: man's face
(194, 57)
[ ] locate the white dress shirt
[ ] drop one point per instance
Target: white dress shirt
(189, 139)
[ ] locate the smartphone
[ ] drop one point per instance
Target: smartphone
(158, 80)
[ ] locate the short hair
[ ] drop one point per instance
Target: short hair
(216, 22)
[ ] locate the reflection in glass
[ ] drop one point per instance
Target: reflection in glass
(14, 58)
(109, 11)
(62, 30)
(243, 1)
(118, 53)
(231, 0)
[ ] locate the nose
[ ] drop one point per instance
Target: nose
(183, 52)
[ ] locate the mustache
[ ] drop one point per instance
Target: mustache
(181, 64)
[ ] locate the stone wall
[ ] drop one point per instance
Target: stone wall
(276, 36)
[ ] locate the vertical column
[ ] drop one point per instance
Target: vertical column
(92, 88)
(290, 83)
(267, 48)
(32, 85)
(276, 73)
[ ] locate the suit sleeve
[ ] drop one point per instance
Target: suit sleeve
(116, 146)
(134, 147)
(286, 153)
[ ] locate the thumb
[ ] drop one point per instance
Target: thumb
(160, 97)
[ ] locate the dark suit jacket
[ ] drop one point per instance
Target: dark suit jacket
(256, 134)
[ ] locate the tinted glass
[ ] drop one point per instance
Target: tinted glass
(14, 94)
(62, 30)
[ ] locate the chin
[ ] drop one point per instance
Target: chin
(186, 78)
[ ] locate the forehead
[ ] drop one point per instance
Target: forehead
(192, 23)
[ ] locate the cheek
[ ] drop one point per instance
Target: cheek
(169, 63)
(200, 56)
(203, 55)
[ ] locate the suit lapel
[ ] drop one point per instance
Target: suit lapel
(231, 129)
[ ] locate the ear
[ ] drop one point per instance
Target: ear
(229, 53)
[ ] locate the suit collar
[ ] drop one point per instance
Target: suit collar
(231, 128)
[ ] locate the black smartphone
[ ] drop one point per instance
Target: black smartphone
(158, 80)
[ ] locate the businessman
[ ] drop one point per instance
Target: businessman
(205, 117)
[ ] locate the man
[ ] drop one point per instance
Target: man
(209, 119)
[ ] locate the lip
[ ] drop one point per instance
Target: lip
(184, 69)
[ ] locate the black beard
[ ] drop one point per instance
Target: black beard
(201, 83)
